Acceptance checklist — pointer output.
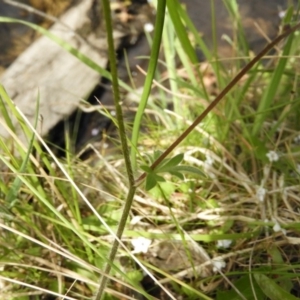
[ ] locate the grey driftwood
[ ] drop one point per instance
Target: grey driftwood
(60, 79)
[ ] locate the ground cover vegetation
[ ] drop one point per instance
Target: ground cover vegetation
(216, 219)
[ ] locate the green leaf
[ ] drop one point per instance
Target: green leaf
(271, 289)
(147, 169)
(177, 174)
(188, 169)
(150, 182)
(277, 259)
(245, 287)
(159, 178)
(168, 164)
(157, 154)
(152, 179)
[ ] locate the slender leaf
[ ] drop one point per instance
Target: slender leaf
(169, 163)
(271, 289)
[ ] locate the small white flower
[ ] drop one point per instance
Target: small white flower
(272, 156)
(218, 264)
(278, 228)
(260, 194)
(95, 131)
(141, 245)
(209, 160)
(281, 14)
(297, 139)
(224, 243)
(148, 27)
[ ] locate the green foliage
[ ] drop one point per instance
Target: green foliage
(168, 165)
(248, 288)
(50, 217)
(271, 289)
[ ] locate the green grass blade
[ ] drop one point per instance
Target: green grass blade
(14, 190)
(159, 24)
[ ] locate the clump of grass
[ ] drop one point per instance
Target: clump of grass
(233, 233)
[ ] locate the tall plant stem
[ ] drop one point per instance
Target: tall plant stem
(124, 145)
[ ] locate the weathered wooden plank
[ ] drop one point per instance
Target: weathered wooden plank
(60, 78)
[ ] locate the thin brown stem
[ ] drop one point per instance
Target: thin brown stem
(222, 94)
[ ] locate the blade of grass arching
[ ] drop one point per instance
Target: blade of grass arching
(80, 56)
(158, 29)
(270, 92)
(12, 194)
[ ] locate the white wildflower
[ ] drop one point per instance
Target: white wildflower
(297, 139)
(281, 14)
(224, 243)
(209, 160)
(141, 245)
(218, 264)
(148, 27)
(260, 194)
(95, 131)
(272, 156)
(278, 228)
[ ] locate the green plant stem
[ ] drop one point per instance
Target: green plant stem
(115, 246)
(158, 29)
(232, 83)
(124, 145)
